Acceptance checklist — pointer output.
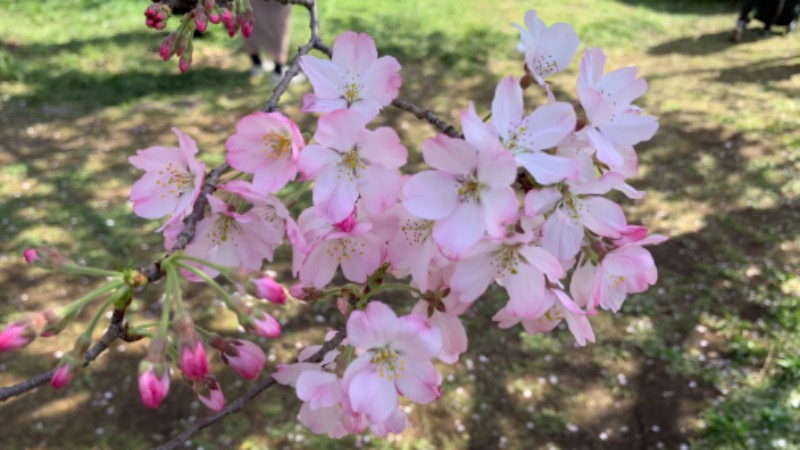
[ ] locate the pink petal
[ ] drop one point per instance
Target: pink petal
(547, 126)
(379, 188)
(604, 147)
(559, 41)
(543, 261)
(591, 67)
(371, 327)
(630, 129)
(602, 216)
(313, 103)
(598, 109)
(340, 130)
(431, 195)
(319, 267)
(354, 52)
(526, 292)
(500, 209)
(420, 382)
(598, 186)
(507, 106)
(382, 81)
(581, 284)
(473, 276)
(362, 260)
(372, 395)
(562, 235)
(622, 86)
(496, 165)
(454, 156)
(549, 169)
(325, 76)
(475, 130)
(458, 232)
(416, 339)
(382, 147)
(320, 389)
(334, 194)
(538, 202)
(314, 158)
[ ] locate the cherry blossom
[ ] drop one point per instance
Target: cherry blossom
(349, 161)
(172, 180)
(528, 135)
(396, 360)
(153, 384)
(469, 193)
(266, 145)
(210, 393)
(349, 244)
(243, 356)
(548, 50)
(355, 77)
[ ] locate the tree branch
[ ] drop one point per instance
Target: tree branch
(427, 114)
(117, 329)
(239, 403)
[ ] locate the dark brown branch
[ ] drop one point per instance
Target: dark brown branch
(238, 404)
(427, 114)
(115, 330)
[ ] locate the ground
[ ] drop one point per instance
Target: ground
(708, 358)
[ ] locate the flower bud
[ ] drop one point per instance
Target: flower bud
(186, 58)
(154, 374)
(65, 371)
(200, 19)
(262, 324)
(193, 360)
(46, 257)
(270, 290)
(210, 393)
(298, 291)
(246, 21)
(30, 255)
(21, 332)
(168, 46)
(213, 15)
(245, 357)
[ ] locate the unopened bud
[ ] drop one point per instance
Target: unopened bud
(168, 46)
(268, 289)
(210, 393)
(200, 19)
(186, 60)
(21, 332)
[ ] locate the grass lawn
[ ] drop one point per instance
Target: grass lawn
(708, 358)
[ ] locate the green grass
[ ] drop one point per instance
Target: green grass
(708, 357)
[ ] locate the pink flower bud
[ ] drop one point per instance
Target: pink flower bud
(245, 357)
(268, 289)
(214, 17)
(64, 373)
(15, 335)
(200, 19)
(30, 255)
(153, 383)
(298, 291)
(161, 25)
(342, 305)
(210, 393)
(193, 362)
(263, 324)
(21, 332)
(150, 23)
(168, 46)
(185, 62)
(209, 4)
(226, 17)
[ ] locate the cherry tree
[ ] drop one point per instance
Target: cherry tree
(516, 199)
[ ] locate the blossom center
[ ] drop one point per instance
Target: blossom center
(224, 227)
(178, 181)
(616, 280)
(345, 249)
(389, 363)
(545, 65)
(507, 259)
(277, 145)
(469, 188)
(350, 164)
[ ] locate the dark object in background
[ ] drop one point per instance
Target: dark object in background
(770, 12)
(777, 12)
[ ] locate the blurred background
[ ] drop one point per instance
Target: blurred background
(708, 358)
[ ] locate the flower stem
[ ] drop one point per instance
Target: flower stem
(222, 269)
(210, 281)
(386, 287)
(83, 270)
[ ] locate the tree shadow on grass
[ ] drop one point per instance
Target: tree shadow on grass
(687, 6)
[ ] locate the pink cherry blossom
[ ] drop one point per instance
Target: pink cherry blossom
(411, 249)
(355, 77)
(210, 393)
(469, 193)
(575, 208)
(172, 180)
(528, 135)
(614, 124)
(153, 383)
(548, 50)
(194, 363)
(268, 289)
(232, 239)
(266, 145)
(396, 359)
(558, 307)
(349, 161)
(349, 244)
(627, 269)
(522, 269)
(243, 356)
(454, 335)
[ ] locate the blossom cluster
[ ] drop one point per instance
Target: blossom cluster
(519, 201)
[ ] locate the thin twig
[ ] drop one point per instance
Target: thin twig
(238, 404)
(115, 330)
(427, 114)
